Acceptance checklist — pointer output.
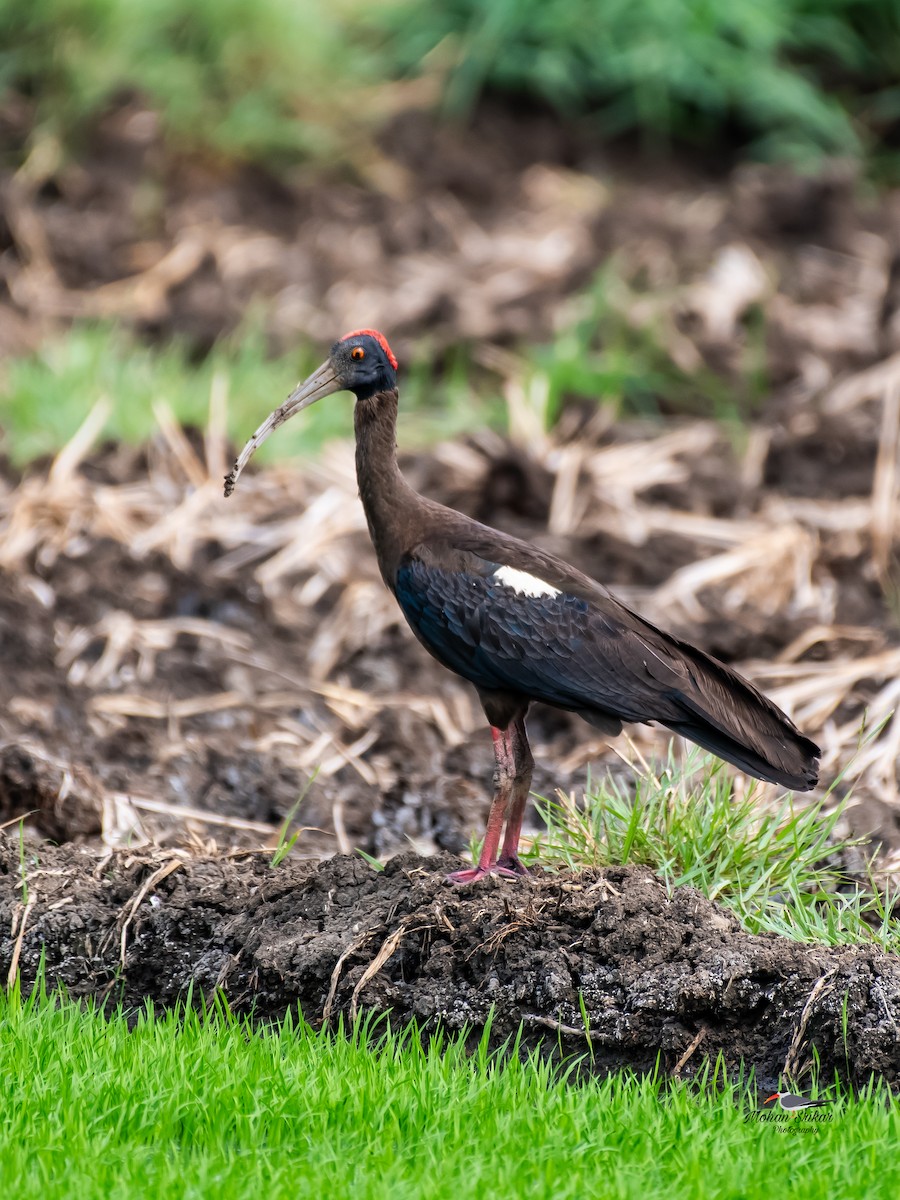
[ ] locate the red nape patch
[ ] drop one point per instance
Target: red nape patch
(379, 338)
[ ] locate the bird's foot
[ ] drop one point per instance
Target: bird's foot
(511, 864)
(474, 874)
(469, 875)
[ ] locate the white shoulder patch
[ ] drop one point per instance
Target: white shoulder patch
(523, 583)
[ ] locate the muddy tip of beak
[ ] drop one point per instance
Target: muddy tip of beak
(322, 382)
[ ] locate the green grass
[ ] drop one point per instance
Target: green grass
(777, 867)
(244, 79)
(793, 77)
(277, 82)
(49, 394)
(194, 1106)
(44, 397)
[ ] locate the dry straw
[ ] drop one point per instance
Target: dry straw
(299, 536)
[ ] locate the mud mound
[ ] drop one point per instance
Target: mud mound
(64, 802)
(663, 974)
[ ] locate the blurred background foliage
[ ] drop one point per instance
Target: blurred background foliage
(258, 80)
(49, 392)
(792, 77)
(276, 81)
(309, 84)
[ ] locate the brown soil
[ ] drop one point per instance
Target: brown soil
(662, 975)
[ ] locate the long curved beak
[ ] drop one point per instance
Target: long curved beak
(322, 382)
(771, 1098)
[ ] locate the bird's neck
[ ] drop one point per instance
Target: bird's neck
(389, 502)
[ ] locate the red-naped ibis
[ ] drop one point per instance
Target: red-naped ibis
(522, 625)
(792, 1103)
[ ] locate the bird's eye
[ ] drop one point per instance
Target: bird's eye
(358, 353)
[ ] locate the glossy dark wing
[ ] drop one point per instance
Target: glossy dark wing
(559, 649)
(580, 649)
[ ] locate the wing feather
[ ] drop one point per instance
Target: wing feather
(576, 647)
(555, 648)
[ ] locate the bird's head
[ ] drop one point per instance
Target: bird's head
(361, 362)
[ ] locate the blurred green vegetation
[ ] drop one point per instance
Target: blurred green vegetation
(599, 356)
(276, 82)
(793, 77)
(246, 79)
(48, 394)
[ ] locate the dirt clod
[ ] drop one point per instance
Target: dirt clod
(651, 968)
(63, 802)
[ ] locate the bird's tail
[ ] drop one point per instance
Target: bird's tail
(722, 712)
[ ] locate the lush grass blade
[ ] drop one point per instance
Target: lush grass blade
(202, 1103)
(776, 865)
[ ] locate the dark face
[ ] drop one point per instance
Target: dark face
(363, 364)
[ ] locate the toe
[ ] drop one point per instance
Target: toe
(469, 875)
(511, 865)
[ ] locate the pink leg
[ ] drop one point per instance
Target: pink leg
(524, 765)
(512, 780)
